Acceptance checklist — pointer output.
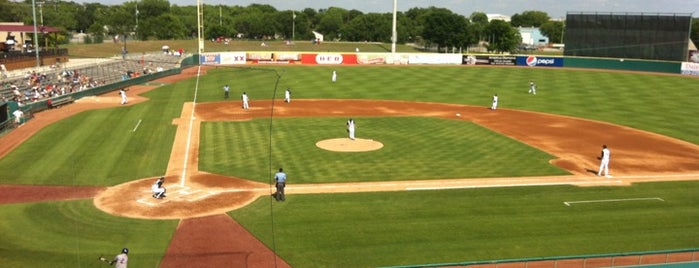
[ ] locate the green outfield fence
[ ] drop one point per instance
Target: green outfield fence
(631, 259)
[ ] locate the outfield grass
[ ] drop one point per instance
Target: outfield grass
(368, 229)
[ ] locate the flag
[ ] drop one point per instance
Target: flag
(293, 15)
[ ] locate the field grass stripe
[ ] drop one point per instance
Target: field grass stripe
(570, 203)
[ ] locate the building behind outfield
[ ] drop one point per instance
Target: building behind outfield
(649, 36)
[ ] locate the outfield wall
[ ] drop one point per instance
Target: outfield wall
(387, 58)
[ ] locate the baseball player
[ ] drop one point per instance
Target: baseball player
(280, 183)
(334, 78)
(245, 101)
(226, 90)
(122, 93)
(122, 259)
(495, 102)
(604, 162)
(350, 128)
(287, 95)
(18, 116)
(532, 88)
(158, 189)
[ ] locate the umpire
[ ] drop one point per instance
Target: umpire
(280, 178)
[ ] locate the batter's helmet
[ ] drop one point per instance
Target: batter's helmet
(125, 250)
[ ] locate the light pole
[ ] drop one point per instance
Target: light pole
(394, 34)
(200, 27)
(136, 30)
(36, 36)
(293, 25)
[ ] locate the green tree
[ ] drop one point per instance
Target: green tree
(479, 21)
(331, 22)
(502, 36)
(553, 30)
(163, 27)
(529, 19)
(188, 17)
(445, 29)
(371, 27)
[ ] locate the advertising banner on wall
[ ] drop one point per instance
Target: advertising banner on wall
(233, 58)
(434, 58)
(273, 57)
(539, 61)
(329, 58)
(690, 68)
(488, 60)
(210, 58)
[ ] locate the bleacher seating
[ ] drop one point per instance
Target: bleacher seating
(90, 73)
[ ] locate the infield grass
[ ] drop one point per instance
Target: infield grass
(415, 148)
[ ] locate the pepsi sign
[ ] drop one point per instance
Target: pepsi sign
(540, 61)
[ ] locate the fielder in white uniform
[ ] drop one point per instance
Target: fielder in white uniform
(532, 88)
(121, 260)
(122, 93)
(495, 102)
(245, 101)
(604, 162)
(350, 128)
(334, 78)
(287, 95)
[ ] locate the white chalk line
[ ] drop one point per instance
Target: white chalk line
(507, 185)
(569, 203)
(137, 124)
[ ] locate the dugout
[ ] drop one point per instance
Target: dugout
(628, 35)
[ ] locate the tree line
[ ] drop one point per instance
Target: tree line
(160, 20)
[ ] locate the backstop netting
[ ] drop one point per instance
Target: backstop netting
(627, 35)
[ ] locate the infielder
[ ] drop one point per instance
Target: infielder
(226, 91)
(495, 102)
(245, 101)
(158, 189)
(122, 93)
(287, 95)
(350, 128)
(604, 162)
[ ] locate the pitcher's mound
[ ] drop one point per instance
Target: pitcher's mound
(347, 145)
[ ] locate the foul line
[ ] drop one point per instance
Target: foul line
(137, 124)
(189, 131)
(569, 203)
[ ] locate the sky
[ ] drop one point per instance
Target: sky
(554, 8)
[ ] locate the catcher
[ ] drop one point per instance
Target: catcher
(158, 189)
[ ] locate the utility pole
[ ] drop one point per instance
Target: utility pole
(293, 25)
(394, 33)
(36, 36)
(136, 19)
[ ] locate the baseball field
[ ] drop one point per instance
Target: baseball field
(451, 181)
